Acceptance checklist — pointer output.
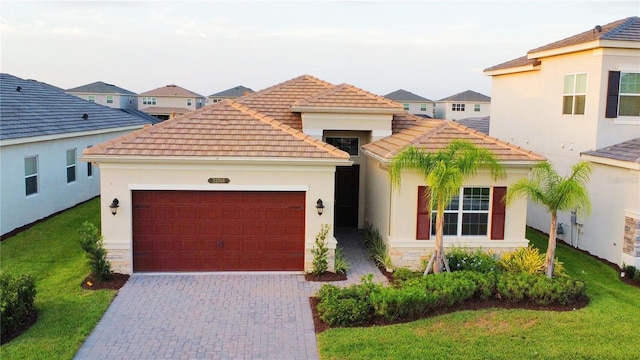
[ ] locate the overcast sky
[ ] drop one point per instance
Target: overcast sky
(431, 48)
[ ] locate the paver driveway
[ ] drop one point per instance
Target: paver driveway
(215, 315)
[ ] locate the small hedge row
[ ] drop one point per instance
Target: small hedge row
(416, 297)
(16, 301)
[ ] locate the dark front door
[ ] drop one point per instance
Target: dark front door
(347, 187)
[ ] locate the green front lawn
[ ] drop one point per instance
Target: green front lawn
(606, 328)
(50, 251)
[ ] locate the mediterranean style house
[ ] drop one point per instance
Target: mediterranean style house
(106, 94)
(233, 93)
(246, 184)
(579, 99)
(467, 104)
(167, 101)
(43, 133)
(414, 104)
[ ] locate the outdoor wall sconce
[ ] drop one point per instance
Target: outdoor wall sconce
(320, 206)
(114, 206)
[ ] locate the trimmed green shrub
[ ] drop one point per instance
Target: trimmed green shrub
(474, 260)
(540, 289)
(629, 270)
(92, 243)
(16, 301)
(320, 251)
(404, 274)
(377, 247)
(347, 306)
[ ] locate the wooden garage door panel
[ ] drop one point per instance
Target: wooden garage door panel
(209, 231)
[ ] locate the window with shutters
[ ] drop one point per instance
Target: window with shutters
(623, 94)
(470, 213)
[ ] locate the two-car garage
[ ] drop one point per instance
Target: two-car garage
(218, 230)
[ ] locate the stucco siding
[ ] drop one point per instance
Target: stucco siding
(119, 180)
(378, 198)
(54, 193)
(443, 110)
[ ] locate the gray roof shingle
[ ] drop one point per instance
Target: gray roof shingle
(477, 123)
(404, 95)
(467, 96)
(233, 92)
(625, 151)
(100, 87)
(39, 109)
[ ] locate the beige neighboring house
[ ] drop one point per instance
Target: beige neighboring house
(467, 104)
(233, 93)
(167, 101)
(579, 99)
(105, 94)
(414, 104)
(245, 184)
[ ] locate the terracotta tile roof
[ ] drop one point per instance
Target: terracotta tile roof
(625, 151)
(405, 120)
(347, 96)
(276, 101)
(622, 30)
(433, 135)
(160, 110)
(170, 90)
(225, 129)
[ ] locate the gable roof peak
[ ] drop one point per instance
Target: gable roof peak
(468, 95)
(404, 95)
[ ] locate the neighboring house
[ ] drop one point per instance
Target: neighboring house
(43, 133)
(414, 104)
(573, 96)
(232, 93)
(106, 94)
(481, 124)
(167, 101)
(246, 184)
(463, 105)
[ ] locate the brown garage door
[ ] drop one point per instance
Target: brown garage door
(216, 231)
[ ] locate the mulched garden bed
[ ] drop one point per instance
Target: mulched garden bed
(30, 320)
(325, 277)
(115, 282)
(471, 304)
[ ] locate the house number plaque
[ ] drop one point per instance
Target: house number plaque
(218, 180)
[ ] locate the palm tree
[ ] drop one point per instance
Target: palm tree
(444, 171)
(556, 193)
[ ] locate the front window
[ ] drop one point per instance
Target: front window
(92, 98)
(406, 107)
(189, 102)
(31, 175)
(574, 94)
(350, 145)
(89, 166)
(71, 165)
(457, 107)
(148, 101)
(109, 99)
(476, 107)
(467, 214)
(423, 107)
(629, 104)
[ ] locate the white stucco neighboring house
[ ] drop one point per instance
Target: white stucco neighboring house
(579, 95)
(414, 104)
(246, 184)
(43, 133)
(105, 94)
(170, 100)
(467, 104)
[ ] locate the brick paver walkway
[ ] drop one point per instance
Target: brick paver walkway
(216, 315)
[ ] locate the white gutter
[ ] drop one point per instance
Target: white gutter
(33, 139)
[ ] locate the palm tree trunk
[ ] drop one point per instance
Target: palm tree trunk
(437, 268)
(551, 249)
